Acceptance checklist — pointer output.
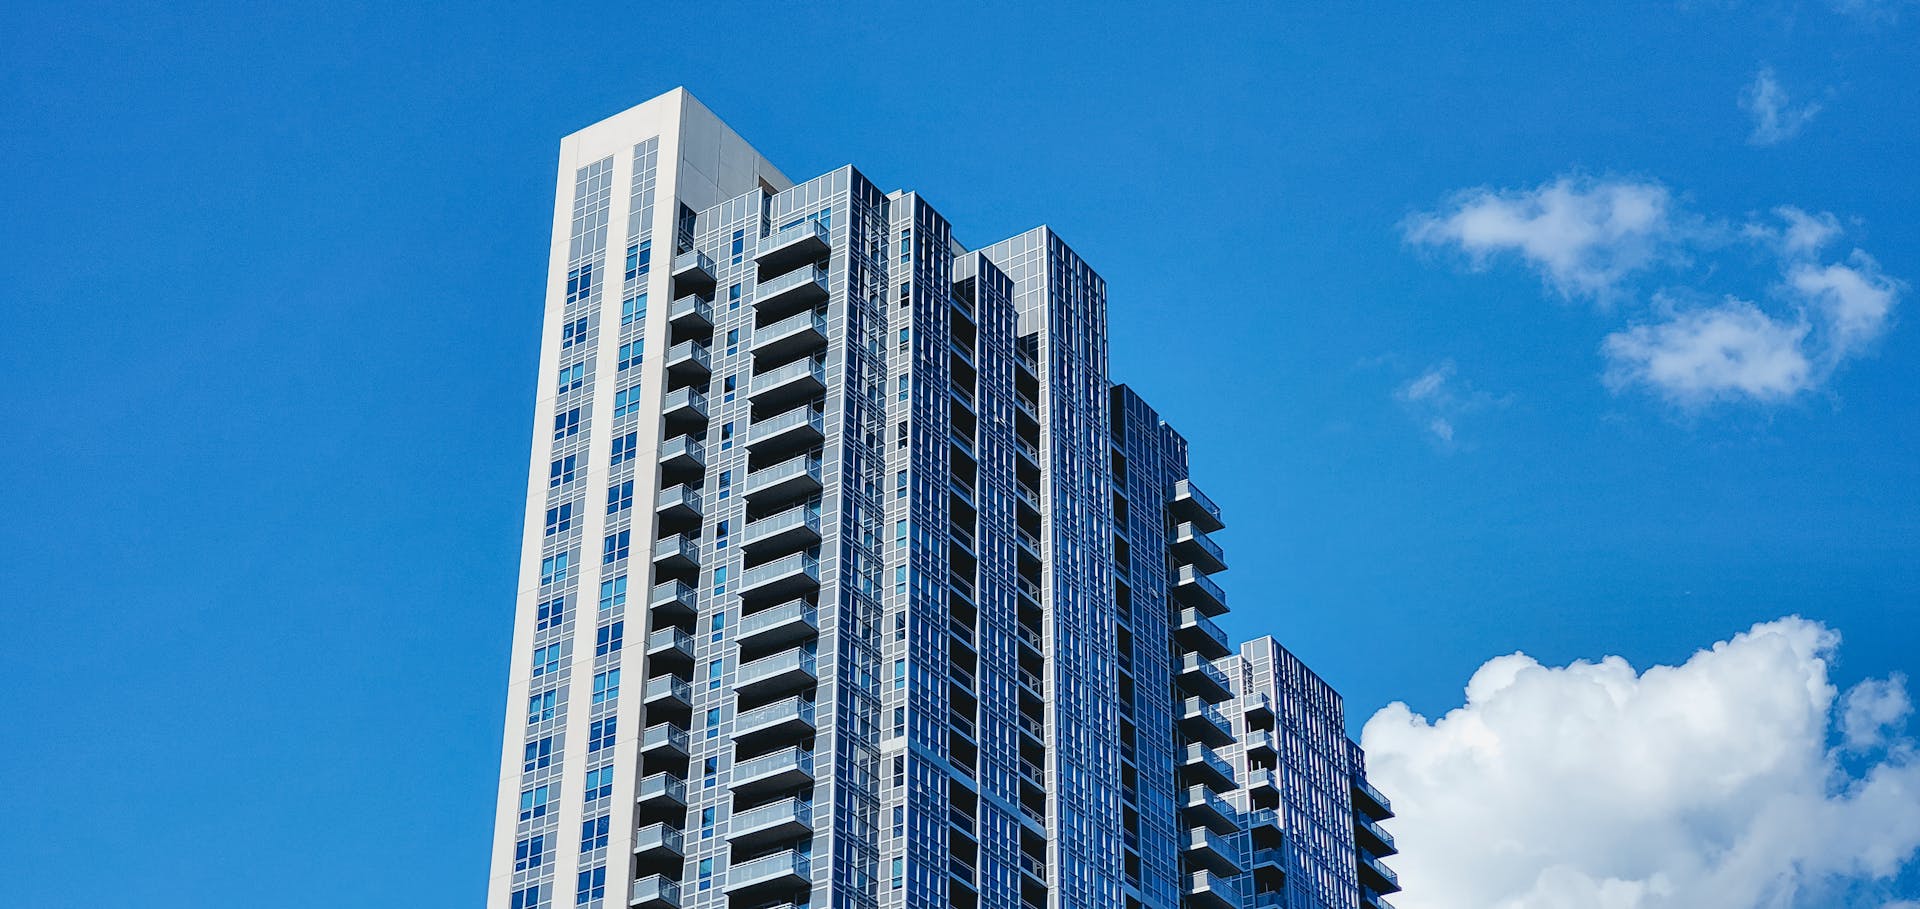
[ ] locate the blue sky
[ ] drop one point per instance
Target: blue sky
(270, 282)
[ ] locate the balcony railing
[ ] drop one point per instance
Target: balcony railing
(797, 525)
(793, 245)
(655, 892)
(693, 270)
(793, 666)
(785, 480)
(1193, 545)
(795, 761)
(800, 426)
(662, 787)
(791, 816)
(1193, 505)
(789, 382)
(794, 709)
(780, 867)
(784, 575)
(803, 287)
(805, 332)
(1194, 588)
(664, 736)
(691, 313)
(790, 621)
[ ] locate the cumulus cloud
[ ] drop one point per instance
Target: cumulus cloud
(1775, 117)
(1873, 707)
(1607, 239)
(1695, 357)
(1438, 399)
(1714, 784)
(1583, 236)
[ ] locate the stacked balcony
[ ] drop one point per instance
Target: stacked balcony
(688, 363)
(797, 429)
(779, 342)
(787, 481)
(691, 314)
(791, 247)
(791, 291)
(772, 874)
(655, 892)
(774, 773)
(692, 273)
(780, 822)
(783, 387)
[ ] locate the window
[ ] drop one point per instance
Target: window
(903, 388)
(706, 874)
(719, 627)
(726, 483)
(630, 354)
(715, 669)
(566, 424)
(739, 246)
(560, 518)
(625, 447)
(546, 659)
(580, 282)
(572, 377)
(533, 802)
(903, 339)
(528, 898)
(900, 433)
(599, 782)
(606, 686)
(900, 579)
(706, 823)
(553, 568)
(899, 673)
(733, 341)
(574, 332)
(600, 734)
(617, 546)
(593, 886)
(530, 853)
(733, 297)
(900, 485)
(727, 388)
(633, 309)
(720, 580)
(713, 723)
(626, 401)
(541, 707)
(613, 592)
(562, 470)
(638, 260)
(726, 436)
(710, 770)
(720, 535)
(538, 755)
(550, 614)
(619, 497)
(607, 639)
(593, 833)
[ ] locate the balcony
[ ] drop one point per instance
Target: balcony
(1264, 817)
(672, 645)
(1202, 722)
(675, 599)
(668, 691)
(794, 430)
(1258, 709)
(655, 892)
(789, 338)
(784, 625)
(1198, 633)
(1262, 779)
(1205, 807)
(789, 480)
(782, 578)
(1212, 851)
(796, 528)
(692, 273)
(1372, 900)
(677, 553)
(679, 503)
(663, 791)
(791, 717)
(683, 454)
(792, 246)
(1202, 765)
(1376, 876)
(758, 828)
(664, 739)
(684, 410)
(1195, 589)
(1192, 545)
(1191, 505)
(785, 386)
(793, 290)
(1372, 837)
(1206, 890)
(691, 314)
(658, 844)
(688, 363)
(1202, 679)
(1368, 800)
(1259, 741)
(789, 671)
(782, 869)
(780, 771)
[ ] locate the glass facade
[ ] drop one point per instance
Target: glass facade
(896, 600)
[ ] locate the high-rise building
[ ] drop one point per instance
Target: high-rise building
(849, 577)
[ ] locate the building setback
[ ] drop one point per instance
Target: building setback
(850, 579)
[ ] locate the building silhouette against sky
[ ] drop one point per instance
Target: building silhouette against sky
(850, 578)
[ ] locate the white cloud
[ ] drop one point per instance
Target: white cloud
(1608, 239)
(1871, 708)
(1704, 355)
(1583, 236)
(1854, 300)
(1438, 399)
(1775, 118)
(1709, 785)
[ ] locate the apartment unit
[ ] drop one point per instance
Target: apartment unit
(849, 577)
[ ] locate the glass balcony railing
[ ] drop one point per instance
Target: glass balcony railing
(662, 787)
(786, 811)
(794, 708)
(800, 518)
(1193, 505)
(792, 662)
(802, 283)
(756, 623)
(796, 759)
(798, 566)
(664, 735)
(691, 311)
(774, 867)
(803, 467)
(797, 419)
(655, 892)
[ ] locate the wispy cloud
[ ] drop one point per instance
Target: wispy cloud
(1583, 236)
(1438, 399)
(1607, 239)
(1714, 784)
(1775, 117)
